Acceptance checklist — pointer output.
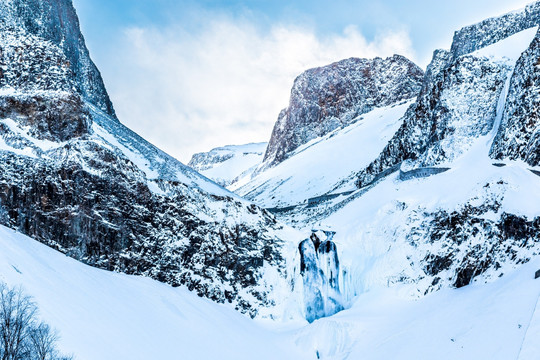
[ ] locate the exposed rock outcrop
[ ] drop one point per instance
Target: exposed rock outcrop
(519, 133)
(330, 97)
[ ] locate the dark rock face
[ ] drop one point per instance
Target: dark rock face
(324, 99)
(57, 22)
(519, 134)
(460, 245)
(48, 117)
(438, 126)
(319, 267)
(110, 218)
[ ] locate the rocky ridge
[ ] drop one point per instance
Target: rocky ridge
(331, 97)
(57, 22)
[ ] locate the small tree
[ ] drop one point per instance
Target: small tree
(22, 336)
(17, 313)
(42, 342)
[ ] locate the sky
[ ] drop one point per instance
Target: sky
(193, 75)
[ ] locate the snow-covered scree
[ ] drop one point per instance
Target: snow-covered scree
(107, 316)
(226, 165)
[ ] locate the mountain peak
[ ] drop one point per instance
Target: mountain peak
(330, 97)
(56, 21)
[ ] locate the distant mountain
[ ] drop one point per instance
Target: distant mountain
(226, 165)
(331, 97)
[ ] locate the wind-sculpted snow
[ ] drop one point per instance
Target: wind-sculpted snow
(331, 97)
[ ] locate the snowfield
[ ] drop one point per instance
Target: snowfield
(318, 166)
(104, 315)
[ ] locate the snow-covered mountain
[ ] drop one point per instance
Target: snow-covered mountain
(331, 97)
(73, 177)
(439, 191)
(413, 196)
(226, 165)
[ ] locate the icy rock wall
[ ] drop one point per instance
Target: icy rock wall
(319, 267)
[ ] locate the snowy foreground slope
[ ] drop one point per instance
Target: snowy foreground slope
(104, 315)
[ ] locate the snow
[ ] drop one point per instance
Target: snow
(476, 322)
(530, 347)
(318, 166)
(241, 161)
(103, 315)
(510, 49)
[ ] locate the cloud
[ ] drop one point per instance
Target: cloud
(225, 82)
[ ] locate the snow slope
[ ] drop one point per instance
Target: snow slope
(104, 315)
(318, 166)
(490, 321)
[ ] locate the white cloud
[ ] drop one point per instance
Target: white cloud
(224, 83)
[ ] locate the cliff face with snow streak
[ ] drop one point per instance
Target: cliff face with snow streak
(331, 97)
(519, 134)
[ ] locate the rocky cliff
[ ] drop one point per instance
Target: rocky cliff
(73, 177)
(57, 22)
(331, 97)
(519, 133)
(462, 98)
